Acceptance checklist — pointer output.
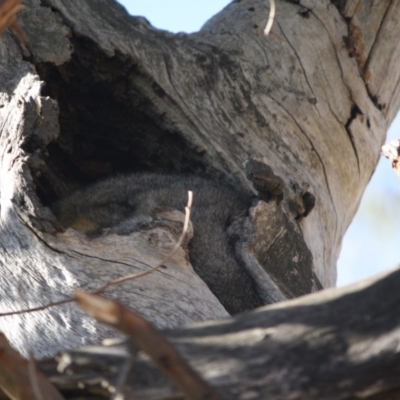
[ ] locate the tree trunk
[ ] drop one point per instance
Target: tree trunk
(96, 92)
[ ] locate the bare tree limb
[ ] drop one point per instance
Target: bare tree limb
(151, 341)
(336, 344)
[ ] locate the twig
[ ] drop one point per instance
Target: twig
(33, 377)
(123, 375)
(8, 12)
(270, 18)
(15, 376)
(40, 308)
(31, 361)
(151, 341)
(124, 278)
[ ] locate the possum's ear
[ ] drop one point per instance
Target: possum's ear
(268, 185)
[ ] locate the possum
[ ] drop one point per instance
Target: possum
(125, 204)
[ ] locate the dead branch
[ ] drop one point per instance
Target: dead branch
(151, 341)
(17, 375)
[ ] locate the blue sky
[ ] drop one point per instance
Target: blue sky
(371, 244)
(175, 15)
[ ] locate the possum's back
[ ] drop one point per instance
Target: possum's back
(113, 202)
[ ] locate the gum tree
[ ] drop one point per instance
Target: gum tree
(96, 92)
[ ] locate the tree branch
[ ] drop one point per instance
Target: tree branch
(335, 344)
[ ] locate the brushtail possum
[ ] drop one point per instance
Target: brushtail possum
(125, 204)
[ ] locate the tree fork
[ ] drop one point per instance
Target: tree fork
(97, 92)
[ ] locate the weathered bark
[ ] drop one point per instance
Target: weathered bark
(336, 344)
(98, 92)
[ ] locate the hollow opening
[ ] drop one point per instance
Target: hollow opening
(107, 126)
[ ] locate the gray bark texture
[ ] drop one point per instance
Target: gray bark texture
(96, 92)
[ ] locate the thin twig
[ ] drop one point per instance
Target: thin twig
(31, 368)
(40, 308)
(123, 375)
(8, 12)
(124, 278)
(270, 18)
(151, 341)
(33, 377)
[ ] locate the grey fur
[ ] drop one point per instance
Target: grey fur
(125, 204)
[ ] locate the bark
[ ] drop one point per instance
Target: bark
(97, 92)
(307, 348)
